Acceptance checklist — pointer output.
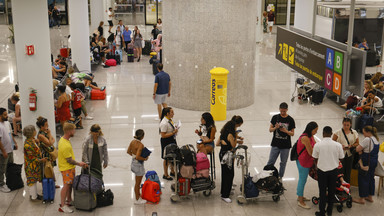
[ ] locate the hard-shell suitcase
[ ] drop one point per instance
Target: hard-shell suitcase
(184, 186)
(48, 190)
(317, 96)
(355, 122)
(130, 53)
(97, 94)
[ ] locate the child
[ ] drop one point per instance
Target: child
(340, 182)
(135, 148)
(76, 98)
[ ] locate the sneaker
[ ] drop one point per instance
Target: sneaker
(5, 189)
(65, 209)
(88, 118)
(140, 201)
(227, 200)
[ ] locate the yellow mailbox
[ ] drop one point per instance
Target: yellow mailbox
(219, 93)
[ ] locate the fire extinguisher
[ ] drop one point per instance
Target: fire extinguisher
(32, 100)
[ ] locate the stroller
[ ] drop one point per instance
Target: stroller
(342, 193)
(182, 185)
(265, 187)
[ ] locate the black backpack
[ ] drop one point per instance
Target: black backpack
(13, 175)
(271, 184)
(188, 155)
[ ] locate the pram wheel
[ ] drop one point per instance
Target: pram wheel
(315, 200)
(276, 198)
(207, 193)
(349, 203)
(339, 208)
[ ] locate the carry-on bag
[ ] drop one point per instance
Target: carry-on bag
(98, 94)
(85, 191)
(105, 198)
(48, 190)
(13, 176)
(184, 186)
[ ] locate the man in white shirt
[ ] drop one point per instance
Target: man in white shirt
(110, 17)
(327, 154)
(6, 148)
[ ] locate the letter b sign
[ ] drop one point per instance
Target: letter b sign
(338, 62)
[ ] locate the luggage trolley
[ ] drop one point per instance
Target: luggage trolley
(206, 185)
(243, 160)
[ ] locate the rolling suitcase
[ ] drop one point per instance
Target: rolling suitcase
(184, 186)
(147, 47)
(84, 200)
(48, 190)
(355, 122)
(130, 54)
(317, 96)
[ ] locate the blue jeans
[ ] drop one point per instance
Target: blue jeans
(274, 154)
(303, 175)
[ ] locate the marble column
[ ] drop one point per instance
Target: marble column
(79, 31)
(200, 35)
(34, 71)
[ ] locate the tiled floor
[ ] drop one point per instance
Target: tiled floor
(129, 106)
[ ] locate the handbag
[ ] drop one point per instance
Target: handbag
(54, 154)
(48, 170)
(105, 198)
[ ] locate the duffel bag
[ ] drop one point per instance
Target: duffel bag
(105, 198)
(86, 182)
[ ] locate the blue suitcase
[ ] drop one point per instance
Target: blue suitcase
(48, 190)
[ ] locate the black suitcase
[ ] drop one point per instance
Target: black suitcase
(372, 58)
(117, 58)
(366, 120)
(13, 176)
(317, 96)
(147, 47)
(130, 54)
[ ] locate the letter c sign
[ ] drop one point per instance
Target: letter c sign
(328, 79)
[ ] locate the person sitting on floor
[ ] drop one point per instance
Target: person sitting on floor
(60, 70)
(85, 78)
(371, 103)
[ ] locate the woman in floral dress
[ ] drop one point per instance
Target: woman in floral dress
(32, 162)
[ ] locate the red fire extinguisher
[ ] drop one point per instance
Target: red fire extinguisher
(32, 100)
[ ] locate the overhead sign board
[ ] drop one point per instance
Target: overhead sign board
(317, 61)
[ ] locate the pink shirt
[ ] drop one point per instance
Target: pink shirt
(305, 159)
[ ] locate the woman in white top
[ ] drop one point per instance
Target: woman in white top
(160, 24)
(372, 101)
(349, 139)
(167, 133)
(369, 151)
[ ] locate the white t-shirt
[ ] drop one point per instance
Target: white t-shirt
(352, 137)
(4, 136)
(367, 144)
(68, 91)
(328, 153)
(378, 104)
(109, 16)
(165, 126)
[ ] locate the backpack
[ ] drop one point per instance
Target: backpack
(273, 168)
(270, 183)
(294, 154)
(111, 37)
(188, 155)
(202, 161)
(250, 188)
(152, 176)
(151, 191)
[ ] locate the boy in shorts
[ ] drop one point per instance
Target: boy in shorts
(67, 165)
(77, 98)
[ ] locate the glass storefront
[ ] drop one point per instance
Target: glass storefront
(280, 10)
(153, 11)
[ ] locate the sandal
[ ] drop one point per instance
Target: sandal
(169, 178)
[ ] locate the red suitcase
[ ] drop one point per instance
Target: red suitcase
(184, 186)
(97, 94)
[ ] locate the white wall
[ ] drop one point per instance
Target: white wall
(324, 27)
(304, 15)
(34, 71)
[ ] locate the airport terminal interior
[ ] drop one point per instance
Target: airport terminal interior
(129, 104)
